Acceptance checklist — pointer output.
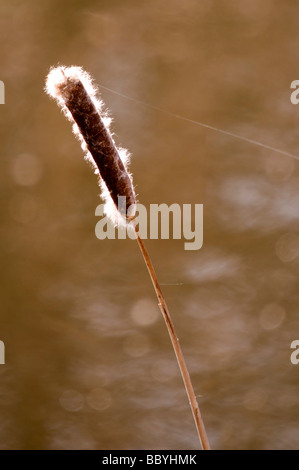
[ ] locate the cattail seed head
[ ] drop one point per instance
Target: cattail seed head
(74, 92)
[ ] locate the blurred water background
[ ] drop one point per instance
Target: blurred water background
(89, 364)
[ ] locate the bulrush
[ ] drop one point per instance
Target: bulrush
(73, 90)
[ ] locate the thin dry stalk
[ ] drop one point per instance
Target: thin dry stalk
(176, 346)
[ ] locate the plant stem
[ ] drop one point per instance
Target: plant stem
(176, 346)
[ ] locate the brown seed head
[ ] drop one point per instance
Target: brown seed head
(74, 92)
